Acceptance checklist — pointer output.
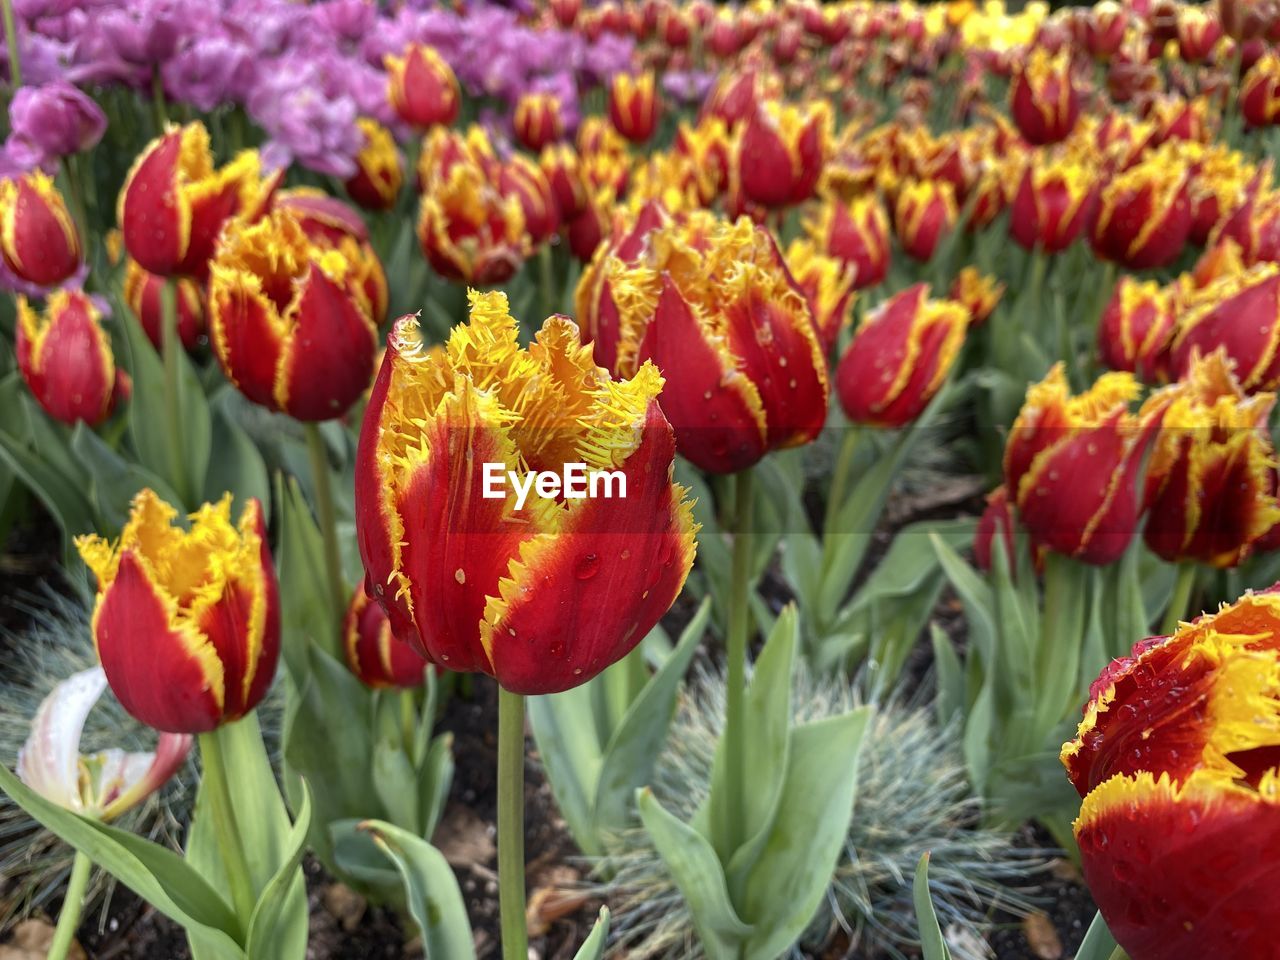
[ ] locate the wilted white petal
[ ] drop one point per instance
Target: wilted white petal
(49, 762)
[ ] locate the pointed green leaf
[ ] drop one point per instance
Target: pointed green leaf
(1098, 943)
(793, 870)
(278, 928)
(935, 948)
(431, 891)
(594, 946)
(697, 873)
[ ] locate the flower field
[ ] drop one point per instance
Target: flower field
(639, 479)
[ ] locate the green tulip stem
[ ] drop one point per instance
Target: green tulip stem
(511, 900)
(843, 471)
(69, 918)
(11, 39)
(408, 720)
(159, 104)
(736, 651)
(71, 173)
(170, 346)
(326, 516)
(546, 281)
(230, 843)
(1180, 600)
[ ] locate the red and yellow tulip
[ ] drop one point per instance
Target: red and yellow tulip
(1240, 312)
(779, 154)
(38, 238)
(1043, 99)
(374, 654)
(290, 317)
(422, 88)
(546, 595)
(142, 293)
(1136, 328)
(1051, 205)
(1144, 213)
(900, 358)
(856, 232)
(1176, 760)
(65, 358)
(175, 202)
(379, 171)
(187, 621)
(634, 105)
(538, 120)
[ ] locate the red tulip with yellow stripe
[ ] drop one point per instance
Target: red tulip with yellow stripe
(38, 238)
(469, 229)
(175, 202)
(1260, 92)
(779, 155)
(538, 120)
(1240, 312)
(1137, 327)
(541, 593)
(187, 621)
(713, 303)
(422, 88)
(1071, 463)
(379, 172)
(856, 232)
(290, 317)
(1144, 213)
(924, 214)
(1178, 762)
(65, 358)
(900, 358)
(828, 285)
(1209, 477)
(1043, 99)
(142, 292)
(1051, 205)
(634, 105)
(376, 656)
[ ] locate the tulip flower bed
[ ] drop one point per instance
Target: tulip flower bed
(642, 479)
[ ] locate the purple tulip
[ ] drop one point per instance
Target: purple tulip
(57, 119)
(210, 72)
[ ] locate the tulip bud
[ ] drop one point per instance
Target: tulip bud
(924, 214)
(101, 785)
(996, 523)
(1105, 25)
(379, 174)
(739, 94)
(1051, 206)
(857, 233)
(1136, 328)
(1219, 181)
(422, 88)
(65, 358)
(1042, 98)
(290, 318)
(39, 241)
(376, 656)
(559, 163)
(827, 284)
(142, 293)
(1239, 313)
(715, 302)
(538, 120)
(187, 622)
(1070, 465)
(483, 583)
(900, 358)
(780, 154)
(634, 105)
(469, 231)
(1176, 759)
(707, 147)
(1144, 214)
(523, 179)
(1260, 92)
(174, 203)
(977, 292)
(55, 120)
(1209, 489)
(1198, 32)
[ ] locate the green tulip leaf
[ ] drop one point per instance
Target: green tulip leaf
(278, 929)
(431, 891)
(934, 947)
(697, 873)
(594, 946)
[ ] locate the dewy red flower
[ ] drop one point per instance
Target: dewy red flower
(1176, 760)
(1136, 328)
(900, 357)
(545, 594)
(374, 654)
(1071, 466)
(65, 358)
(174, 202)
(187, 622)
(1209, 477)
(38, 239)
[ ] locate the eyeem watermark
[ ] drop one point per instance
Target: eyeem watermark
(575, 483)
